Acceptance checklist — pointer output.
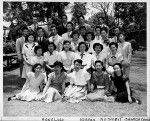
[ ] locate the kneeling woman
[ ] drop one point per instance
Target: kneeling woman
(124, 93)
(31, 90)
(55, 85)
(100, 83)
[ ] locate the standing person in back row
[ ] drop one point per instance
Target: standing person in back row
(56, 38)
(19, 45)
(126, 50)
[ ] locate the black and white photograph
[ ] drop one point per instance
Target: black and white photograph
(75, 59)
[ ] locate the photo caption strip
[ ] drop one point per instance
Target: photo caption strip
(80, 119)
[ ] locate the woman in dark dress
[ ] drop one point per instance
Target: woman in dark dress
(124, 92)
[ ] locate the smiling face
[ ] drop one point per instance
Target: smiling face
(39, 52)
(89, 37)
(67, 46)
(69, 27)
(117, 69)
(75, 37)
(77, 66)
(113, 48)
(98, 66)
(38, 69)
(121, 38)
(54, 31)
(31, 39)
(82, 48)
(104, 34)
(40, 33)
(57, 69)
(51, 47)
(98, 49)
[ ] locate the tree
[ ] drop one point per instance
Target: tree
(39, 9)
(78, 9)
(131, 13)
(104, 8)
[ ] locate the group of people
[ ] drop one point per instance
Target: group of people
(68, 62)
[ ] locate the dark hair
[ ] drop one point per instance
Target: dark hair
(120, 65)
(70, 23)
(53, 25)
(86, 47)
(34, 66)
(36, 48)
(104, 29)
(97, 44)
(82, 27)
(30, 34)
(24, 28)
(60, 64)
(66, 41)
(79, 17)
(40, 28)
(98, 27)
(52, 43)
(74, 32)
(63, 15)
(101, 17)
(78, 61)
(122, 34)
(98, 61)
(113, 43)
(93, 36)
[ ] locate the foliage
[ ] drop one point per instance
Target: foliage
(9, 47)
(131, 13)
(39, 9)
(78, 9)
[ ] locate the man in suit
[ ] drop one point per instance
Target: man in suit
(41, 39)
(62, 28)
(19, 44)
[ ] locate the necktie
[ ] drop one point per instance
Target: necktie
(82, 55)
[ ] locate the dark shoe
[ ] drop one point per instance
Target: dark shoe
(138, 101)
(9, 98)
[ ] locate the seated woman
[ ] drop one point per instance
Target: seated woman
(124, 92)
(100, 83)
(55, 85)
(31, 88)
(79, 80)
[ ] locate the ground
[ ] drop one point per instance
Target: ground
(138, 81)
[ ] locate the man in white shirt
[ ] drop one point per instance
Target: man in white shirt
(56, 38)
(19, 45)
(67, 35)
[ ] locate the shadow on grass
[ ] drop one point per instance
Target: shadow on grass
(10, 83)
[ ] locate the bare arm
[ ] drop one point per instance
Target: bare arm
(128, 91)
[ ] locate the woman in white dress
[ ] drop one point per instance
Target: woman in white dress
(66, 56)
(31, 90)
(55, 85)
(28, 53)
(38, 58)
(126, 50)
(79, 83)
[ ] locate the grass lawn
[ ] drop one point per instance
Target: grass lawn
(138, 79)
